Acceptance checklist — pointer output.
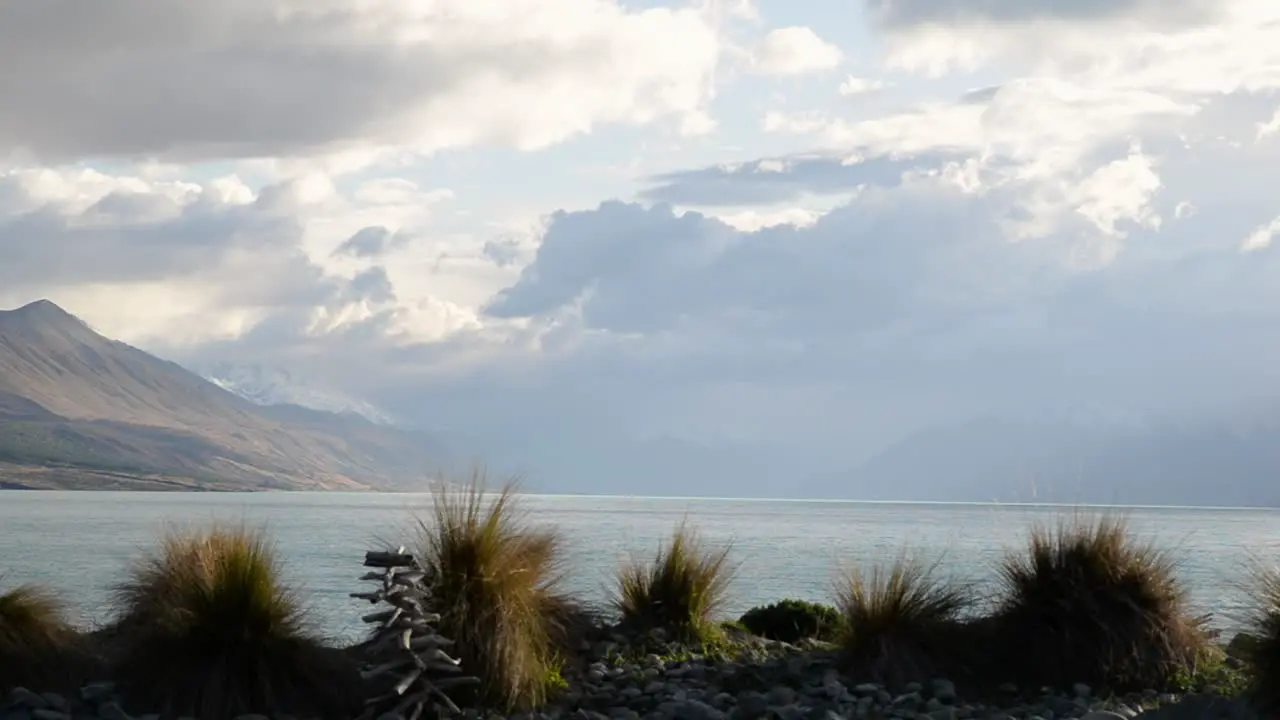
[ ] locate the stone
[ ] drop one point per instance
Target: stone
(655, 687)
(384, 716)
(1081, 690)
(781, 695)
(111, 710)
(944, 690)
(943, 713)
(255, 716)
(751, 705)
(23, 697)
(913, 687)
(56, 702)
(1103, 715)
(866, 689)
(49, 714)
(1200, 707)
(623, 713)
(595, 676)
(95, 693)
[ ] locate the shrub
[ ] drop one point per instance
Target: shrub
(679, 592)
(1088, 603)
(496, 583)
(900, 624)
(38, 649)
(207, 630)
(790, 621)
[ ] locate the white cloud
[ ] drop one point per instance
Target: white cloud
(795, 51)
(853, 85)
(1261, 238)
(344, 78)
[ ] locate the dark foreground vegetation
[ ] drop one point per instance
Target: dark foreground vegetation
(471, 618)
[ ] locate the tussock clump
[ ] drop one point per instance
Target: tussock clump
(1087, 602)
(495, 581)
(206, 629)
(791, 621)
(1260, 646)
(38, 649)
(679, 592)
(900, 624)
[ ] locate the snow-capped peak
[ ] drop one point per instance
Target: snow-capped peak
(277, 386)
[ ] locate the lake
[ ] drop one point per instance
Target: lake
(82, 543)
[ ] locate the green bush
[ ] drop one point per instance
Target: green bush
(38, 649)
(900, 624)
(496, 583)
(1089, 603)
(679, 592)
(206, 629)
(791, 621)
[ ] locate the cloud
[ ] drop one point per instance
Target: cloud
(853, 85)
(189, 81)
(795, 51)
(896, 14)
(368, 242)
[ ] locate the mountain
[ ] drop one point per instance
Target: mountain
(1204, 462)
(276, 386)
(78, 410)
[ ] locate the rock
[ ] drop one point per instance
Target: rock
(95, 693)
(595, 676)
(383, 716)
(655, 687)
(944, 713)
(56, 702)
(111, 710)
(781, 695)
(1200, 707)
(623, 713)
(1008, 689)
(1103, 715)
(943, 690)
(751, 705)
(1081, 690)
(914, 687)
(866, 689)
(24, 698)
(49, 714)
(254, 716)
(1241, 645)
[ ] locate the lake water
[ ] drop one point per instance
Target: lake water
(81, 543)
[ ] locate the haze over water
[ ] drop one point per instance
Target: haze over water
(79, 543)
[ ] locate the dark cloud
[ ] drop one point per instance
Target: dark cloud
(189, 81)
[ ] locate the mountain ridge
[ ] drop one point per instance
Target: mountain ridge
(71, 399)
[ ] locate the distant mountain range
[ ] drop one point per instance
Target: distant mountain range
(78, 410)
(264, 385)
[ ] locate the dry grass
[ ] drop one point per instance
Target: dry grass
(495, 580)
(38, 649)
(900, 624)
(680, 591)
(207, 630)
(1087, 602)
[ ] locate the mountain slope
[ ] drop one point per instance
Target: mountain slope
(70, 398)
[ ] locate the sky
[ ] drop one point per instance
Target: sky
(808, 228)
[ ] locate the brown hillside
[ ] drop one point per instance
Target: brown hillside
(71, 398)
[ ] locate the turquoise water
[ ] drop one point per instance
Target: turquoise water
(80, 543)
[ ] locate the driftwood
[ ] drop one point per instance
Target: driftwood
(406, 663)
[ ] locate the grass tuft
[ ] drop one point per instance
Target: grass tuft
(1087, 602)
(1261, 652)
(38, 649)
(206, 629)
(680, 592)
(900, 624)
(496, 583)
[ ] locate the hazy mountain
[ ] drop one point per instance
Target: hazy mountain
(1207, 462)
(81, 410)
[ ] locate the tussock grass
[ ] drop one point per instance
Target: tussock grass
(1261, 648)
(901, 623)
(680, 591)
(1087, 602)
(496, 582)
(38, 649)
(207, 629)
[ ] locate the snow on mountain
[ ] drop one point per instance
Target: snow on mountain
(278, 386)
